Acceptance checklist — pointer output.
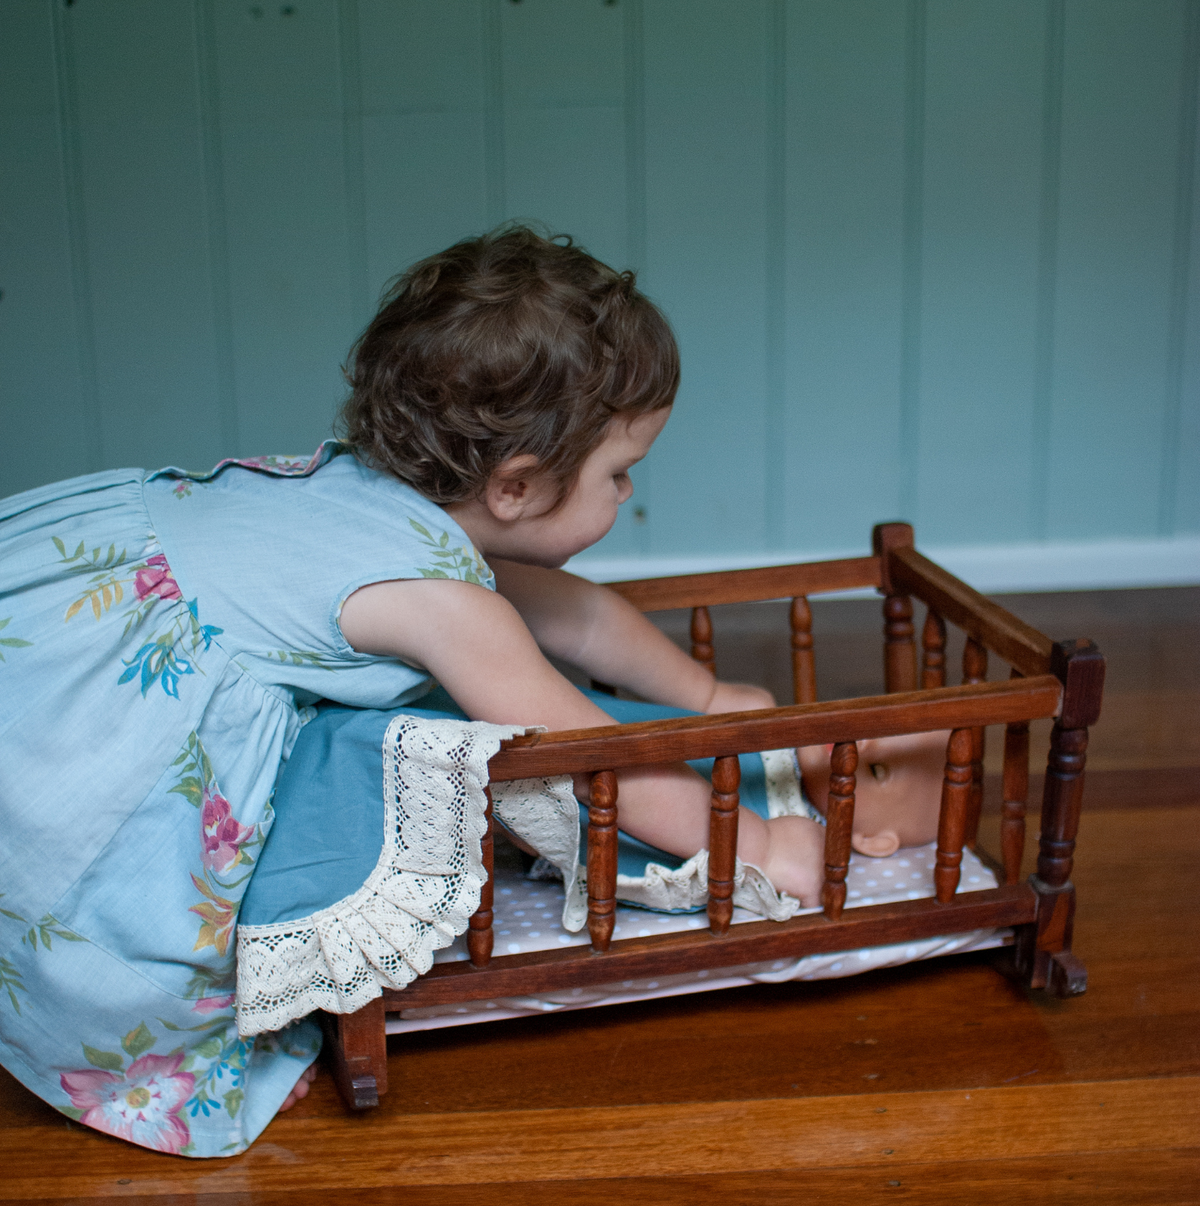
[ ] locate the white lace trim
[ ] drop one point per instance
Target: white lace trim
(545, 814)
(418, 899)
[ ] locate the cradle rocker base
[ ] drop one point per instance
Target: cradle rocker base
(1063, 681)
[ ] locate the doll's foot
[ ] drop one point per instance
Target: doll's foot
(300, 1088)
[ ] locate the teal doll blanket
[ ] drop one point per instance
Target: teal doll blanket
(373, 862)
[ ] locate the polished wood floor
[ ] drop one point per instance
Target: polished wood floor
(935, 1082)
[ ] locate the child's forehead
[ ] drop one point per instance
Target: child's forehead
(636, 432)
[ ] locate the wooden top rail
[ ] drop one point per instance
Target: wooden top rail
(656, 741)
(750, 585)
(989, 623)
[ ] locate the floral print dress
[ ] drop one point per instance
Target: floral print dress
(162, 636)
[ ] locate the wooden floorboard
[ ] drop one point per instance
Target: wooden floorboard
(865, 1131)
(942, 1081)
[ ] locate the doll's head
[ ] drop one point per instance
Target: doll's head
(897, 794)
(509, 345)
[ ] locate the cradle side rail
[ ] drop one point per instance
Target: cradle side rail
(603, 751)
(898, 571)
(1063, 680)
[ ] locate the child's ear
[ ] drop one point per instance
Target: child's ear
(876, 845)
(511, 489)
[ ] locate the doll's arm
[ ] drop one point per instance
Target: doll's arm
(478, 647)
(595, 629)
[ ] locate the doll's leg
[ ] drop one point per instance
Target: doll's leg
(790, 851)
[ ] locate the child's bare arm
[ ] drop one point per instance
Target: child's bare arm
(478, 647)
(595, 629)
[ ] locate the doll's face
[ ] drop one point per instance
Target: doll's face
(898, 789)
(535, 531)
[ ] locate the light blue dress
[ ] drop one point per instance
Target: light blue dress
(161, 637)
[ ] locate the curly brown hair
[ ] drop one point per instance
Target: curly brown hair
(503, 345)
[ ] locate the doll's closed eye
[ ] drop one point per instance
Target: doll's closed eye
(880, 771)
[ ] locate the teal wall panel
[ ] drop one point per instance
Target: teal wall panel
(981, 192)
(705, 119)
(45, 395)
(845, 177)
(937, 258)
(1120, 150)
(141, 173)
(289, 240)
(562, 73)
(426, 113)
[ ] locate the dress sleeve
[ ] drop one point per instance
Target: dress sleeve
(271, 555)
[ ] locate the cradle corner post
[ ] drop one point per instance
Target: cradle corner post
(356, 1044)
(1044, 949)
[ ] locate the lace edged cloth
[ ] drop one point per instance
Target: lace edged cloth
(426, 885)
(418, 899)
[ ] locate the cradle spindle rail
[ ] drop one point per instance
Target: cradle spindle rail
(1062, 681)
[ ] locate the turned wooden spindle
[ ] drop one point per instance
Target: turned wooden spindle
(899, 649)
(722, 842)
(975, 660)
(702, 635)
(1016, 794)
(479, 935)
(952, 821)
(933, 649)
(804, 668)
(602, 859)
(839, 825)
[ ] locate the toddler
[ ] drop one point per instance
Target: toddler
(163, 633)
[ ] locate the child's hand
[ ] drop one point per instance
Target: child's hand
(738, 697)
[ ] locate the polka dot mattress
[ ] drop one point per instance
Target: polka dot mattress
(527, 919)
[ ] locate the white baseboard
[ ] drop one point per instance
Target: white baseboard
(992, 568)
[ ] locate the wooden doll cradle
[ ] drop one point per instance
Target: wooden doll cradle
(1063, 680)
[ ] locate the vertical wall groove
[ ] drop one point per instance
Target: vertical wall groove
(774, 452)
(493, 134)
(914, 203)
(217, 224)
(635, 136)
(77, 235)
(634, 98)
(350, 71)
(1047, 266)
(1184, 202)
